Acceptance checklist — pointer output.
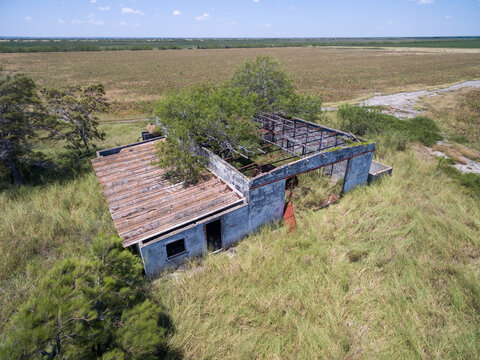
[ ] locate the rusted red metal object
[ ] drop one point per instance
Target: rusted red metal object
(289, 217)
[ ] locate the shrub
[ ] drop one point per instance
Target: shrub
(80, 310)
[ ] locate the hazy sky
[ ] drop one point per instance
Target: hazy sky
(240, 18)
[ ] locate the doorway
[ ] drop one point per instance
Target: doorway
(213, 233)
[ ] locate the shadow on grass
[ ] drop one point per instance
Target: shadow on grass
(44, 169)
(168, 352)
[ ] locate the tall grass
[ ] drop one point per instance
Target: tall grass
(392, 271)
(53, 217)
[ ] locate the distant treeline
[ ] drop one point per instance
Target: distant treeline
(17, 45)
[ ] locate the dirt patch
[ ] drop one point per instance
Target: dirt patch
(402, 105)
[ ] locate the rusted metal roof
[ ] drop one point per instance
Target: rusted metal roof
(143, 204)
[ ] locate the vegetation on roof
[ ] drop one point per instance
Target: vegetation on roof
(221, 118)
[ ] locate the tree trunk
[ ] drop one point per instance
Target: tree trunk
(12, 165)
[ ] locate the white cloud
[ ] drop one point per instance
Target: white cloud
(135, 24)
(176, 12)
(28, 18)
(91, 20)
(93, 1)
(390, 22)
(203, 17)
(448, 17)
(126, 10)
(76, 22)
(256, 1)
(123, 23)
(60, 21)
(104, 8)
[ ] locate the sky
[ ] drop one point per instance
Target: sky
(239, 18)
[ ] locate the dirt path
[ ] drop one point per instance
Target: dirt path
(402, 105)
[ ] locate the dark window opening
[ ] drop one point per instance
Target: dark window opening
(213, 233)
(175, 248)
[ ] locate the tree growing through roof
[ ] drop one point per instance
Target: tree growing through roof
(75, 111)
(222, 118)
(21, 116)
(88, 308)
(204, 116)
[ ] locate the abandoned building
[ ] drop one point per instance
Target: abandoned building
(169, 223)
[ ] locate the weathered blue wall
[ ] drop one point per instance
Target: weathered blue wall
(357, 171)
(235, 226)
(154, 255)
(227, 172)
(312, 162)
(266, 204)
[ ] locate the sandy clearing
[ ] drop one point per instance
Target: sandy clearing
(402, 105)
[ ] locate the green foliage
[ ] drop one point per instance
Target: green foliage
(359, 120)
(139, 336)
(64, 45)
(272, 89)
(81, 310)
(221, 118)
(21, 116)
(365, 121)
(265, 79)
(75, 112)
(203, 116)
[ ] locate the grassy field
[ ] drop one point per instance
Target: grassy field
(391, 271)
(135, 77)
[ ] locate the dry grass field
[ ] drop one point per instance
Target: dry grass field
(335, 74)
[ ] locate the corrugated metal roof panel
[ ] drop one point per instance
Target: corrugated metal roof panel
(143, 204)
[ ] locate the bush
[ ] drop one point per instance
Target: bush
(359, 120)
(367, 121)
(80, 310)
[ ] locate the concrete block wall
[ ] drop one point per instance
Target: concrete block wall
(154, 255)
(266, 204)
(357, 171)
(310, 163)
(227, 172)
(234, 226)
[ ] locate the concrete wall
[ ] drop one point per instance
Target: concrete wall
(155, 255)
(357, 171)
(312, 162)
(227, 172)
(235, 226)
(266, 204)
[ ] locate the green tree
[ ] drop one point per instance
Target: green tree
(219, 119)
(75, 111)
(82, 310)
(222, 118)
(21, 115)
(272, 89)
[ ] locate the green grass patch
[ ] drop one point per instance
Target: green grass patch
(365, 121)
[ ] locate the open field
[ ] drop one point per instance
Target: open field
(133, 77)
(391, 271)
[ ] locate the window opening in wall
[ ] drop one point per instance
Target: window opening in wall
(213, 233)
(175, 248)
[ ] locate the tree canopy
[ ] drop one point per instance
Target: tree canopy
(86, 308)
(74, 111)
(21, 115)
(222, 118)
